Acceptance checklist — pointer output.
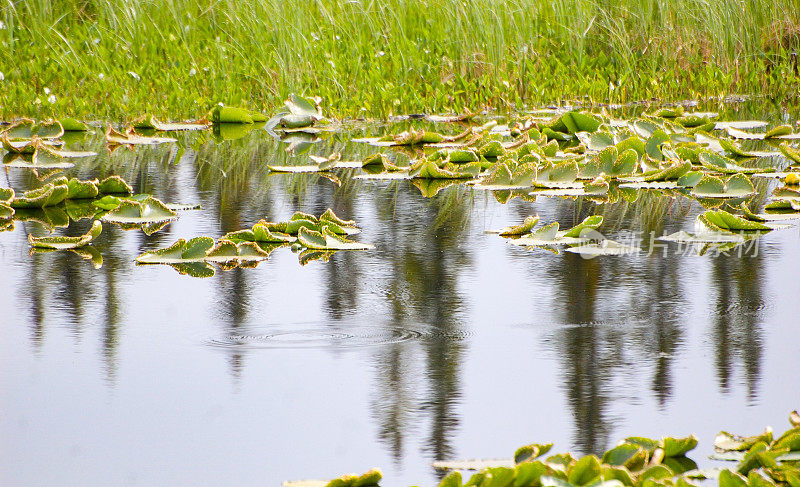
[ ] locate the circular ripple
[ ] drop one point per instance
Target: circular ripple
(326, 336)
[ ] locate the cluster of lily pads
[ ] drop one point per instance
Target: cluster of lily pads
(572, 154)
(582, 238)
(761, 461)
(569, 154)
(316, 238)
(38, 146)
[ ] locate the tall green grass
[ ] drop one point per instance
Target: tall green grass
(112, 58)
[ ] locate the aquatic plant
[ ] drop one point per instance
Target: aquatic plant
(64, 243)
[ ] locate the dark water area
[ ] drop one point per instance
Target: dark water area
(442, 342)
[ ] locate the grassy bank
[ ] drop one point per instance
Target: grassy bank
(112, 58)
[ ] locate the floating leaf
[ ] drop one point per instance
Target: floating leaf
(678, 447)
(584, 470)
(722, 164)
(736, 186)
(621, 454)
(521, 229)
(573, 122)
(304, 107)
(788, 151)
(327, 240)
(114, 185)
(47, 195)
(653, 145)
(82, 189)
(6, 196)
(778, 131)
(588, 224)
(534, 450)
(193, 250)
(130, 137)
(28, 129)
(61, 243)
(221, 114)
(150, 122)
(722, 220)
(604, 247)
(72, 125)
(149, 210)
(473, 464)
(731, 479)
(728, 442)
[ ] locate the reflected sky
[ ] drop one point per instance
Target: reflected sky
(442, 342)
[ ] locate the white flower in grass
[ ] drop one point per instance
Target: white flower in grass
(51, 99)
(101, 76)
(2, 76)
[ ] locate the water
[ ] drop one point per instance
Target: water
(443, 342)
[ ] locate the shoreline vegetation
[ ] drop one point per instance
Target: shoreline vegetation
(105, 59)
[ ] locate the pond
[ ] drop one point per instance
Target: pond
(441, 342)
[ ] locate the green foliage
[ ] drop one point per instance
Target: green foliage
(365, 55)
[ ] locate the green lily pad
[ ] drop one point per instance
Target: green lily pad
(114, 185)
(653, 145)
(149, 210)
(130, 137)
(530, 452)
(604, 247)
(327, 240)
(574, 122)
(379, 162)
(589, 223)
(790, 153)
(28, 129)
(82, 189)
(62, 243)
(736, 186)
(221, 114)
(729, 442)
(428, 169)
(47, 195)
(718, 163)
(722, 220)
(73, 125)
(304, 107)
(678, 447)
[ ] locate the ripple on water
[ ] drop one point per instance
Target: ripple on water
(325, 335)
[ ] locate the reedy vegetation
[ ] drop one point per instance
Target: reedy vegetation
(104, 58)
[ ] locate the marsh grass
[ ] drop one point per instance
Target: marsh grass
(109, 59)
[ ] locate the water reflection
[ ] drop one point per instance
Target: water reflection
(737, 316)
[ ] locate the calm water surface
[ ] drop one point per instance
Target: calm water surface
(442, 342)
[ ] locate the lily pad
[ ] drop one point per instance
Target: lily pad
(28, 129)
(62, 243)
(73, 125)
(736, 186)
(327, 240)
(474, 464)
(604, 247)
(149, 210)
(130, 137)
(722, 220)
(222, 114)
(47, 195)
(718, 163)
(521, 229)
